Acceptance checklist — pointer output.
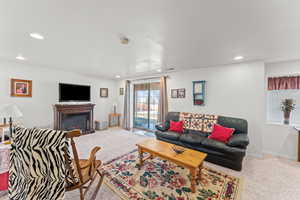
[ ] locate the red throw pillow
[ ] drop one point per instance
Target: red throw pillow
(176, 126)
(221, 133)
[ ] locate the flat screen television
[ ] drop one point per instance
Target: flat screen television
(71, 92)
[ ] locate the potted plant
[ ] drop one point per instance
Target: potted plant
(287, 106)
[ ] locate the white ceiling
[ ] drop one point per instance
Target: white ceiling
(83, 36)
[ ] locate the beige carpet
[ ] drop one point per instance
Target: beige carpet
(269, 178)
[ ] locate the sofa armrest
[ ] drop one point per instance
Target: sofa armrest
(239, 140)
(163, 127)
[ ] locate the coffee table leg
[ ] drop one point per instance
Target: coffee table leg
(193, 179)
(200, 172)
(141, 158)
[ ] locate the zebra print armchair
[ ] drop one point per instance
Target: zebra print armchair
(41, 166)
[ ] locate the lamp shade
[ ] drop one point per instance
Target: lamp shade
(10, 110)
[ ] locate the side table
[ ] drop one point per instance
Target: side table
(2, 130)
(4, 166)
(112, 117)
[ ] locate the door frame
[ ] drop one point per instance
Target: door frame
(134, 105)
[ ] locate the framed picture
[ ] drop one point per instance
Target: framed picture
(199, 93)
(21, 88)
(121, 91)
(174, 93)
(103, 92)
(181, 93)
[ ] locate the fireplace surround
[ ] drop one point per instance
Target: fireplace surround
(74, 116)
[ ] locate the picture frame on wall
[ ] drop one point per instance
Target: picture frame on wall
(121, 91)
(21, 88)
(199, 93)
(104, 92)
(181, 93)
(174, 93)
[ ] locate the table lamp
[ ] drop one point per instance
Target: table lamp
(11, 112)
(115, 108)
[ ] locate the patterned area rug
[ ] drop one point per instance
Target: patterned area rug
(162, 180)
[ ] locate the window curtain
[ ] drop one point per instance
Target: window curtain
(284, 83)
(163, 103)
(126, 114)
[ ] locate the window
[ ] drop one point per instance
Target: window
(278, 91)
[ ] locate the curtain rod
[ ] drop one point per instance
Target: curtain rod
(149, 78)
(288, 75)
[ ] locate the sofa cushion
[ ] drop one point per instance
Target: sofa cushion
(196, 123)
(191, 138)
(186, 118)
(176, 126)
(168, 135)
(240, 125)
(196, 132)
(174, 116)
(203, 149)
(220, 146)
(208, 122)
(221, 133)
(163, 126)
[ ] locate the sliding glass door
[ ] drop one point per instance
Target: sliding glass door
(146, 102)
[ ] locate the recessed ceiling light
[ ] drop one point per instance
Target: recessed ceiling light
(238, 58)
(158, 70)
(20, 57)
(123, 39)
(118, 76)
(37, 36)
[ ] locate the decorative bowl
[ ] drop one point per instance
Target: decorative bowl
(178, 149)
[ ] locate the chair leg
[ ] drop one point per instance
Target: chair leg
(81, 193)
(88, 187)
(101, 177)
(98, 185)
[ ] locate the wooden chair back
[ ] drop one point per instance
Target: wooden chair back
(86, 168)
(71, 135)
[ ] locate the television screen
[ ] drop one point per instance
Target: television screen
(70, 92)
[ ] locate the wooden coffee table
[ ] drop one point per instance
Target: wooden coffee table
(190, 159)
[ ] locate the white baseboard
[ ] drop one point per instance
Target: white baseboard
(280, 155)
(255, 155)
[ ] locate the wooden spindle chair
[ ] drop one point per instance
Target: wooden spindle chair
(86, 169)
